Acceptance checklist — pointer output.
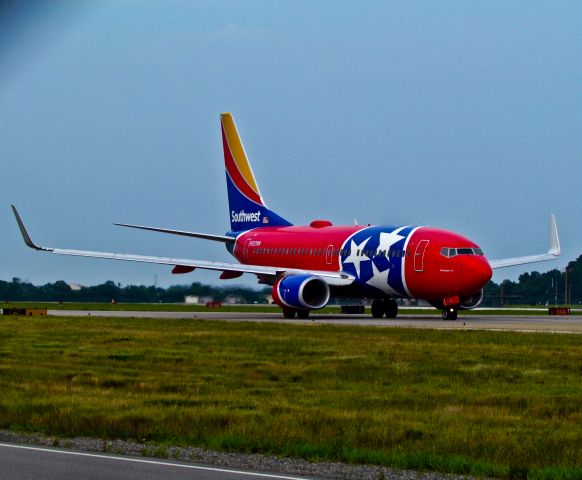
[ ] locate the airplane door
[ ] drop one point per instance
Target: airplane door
(329, 254)
(419, 255)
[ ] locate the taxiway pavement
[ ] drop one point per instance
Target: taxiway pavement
(520, 323)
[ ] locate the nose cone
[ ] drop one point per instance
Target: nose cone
(476, 273)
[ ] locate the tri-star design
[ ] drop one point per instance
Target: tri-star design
(385, 249)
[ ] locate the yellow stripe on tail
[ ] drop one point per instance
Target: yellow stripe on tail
(238, 151)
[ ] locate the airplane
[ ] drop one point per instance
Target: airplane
(306, 265)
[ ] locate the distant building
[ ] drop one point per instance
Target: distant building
(232, 299)
(196, 300)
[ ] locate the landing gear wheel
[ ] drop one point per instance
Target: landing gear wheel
(377, 308)
(390, 308)
(450, 313)
(289, 312)
(302, 313)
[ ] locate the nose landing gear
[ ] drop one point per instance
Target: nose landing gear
(450, 313)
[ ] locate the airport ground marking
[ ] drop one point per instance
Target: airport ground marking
(151, 462)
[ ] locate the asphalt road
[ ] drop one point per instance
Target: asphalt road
(525, 323)
(23, 462)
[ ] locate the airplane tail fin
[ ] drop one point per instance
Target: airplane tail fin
(247, 208)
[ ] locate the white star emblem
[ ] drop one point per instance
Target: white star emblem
(354, 257)
(389, 239)
(380, 280)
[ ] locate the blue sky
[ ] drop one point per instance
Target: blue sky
(462, 115)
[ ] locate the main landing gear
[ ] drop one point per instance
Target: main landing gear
(291, 312)
(449, 313)
(387, 307)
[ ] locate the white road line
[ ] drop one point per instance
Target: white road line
(151, 462)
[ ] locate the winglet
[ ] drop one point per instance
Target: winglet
(25, 235)
(554, 240)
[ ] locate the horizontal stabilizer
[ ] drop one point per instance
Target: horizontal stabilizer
(205, 236)
(552, 254)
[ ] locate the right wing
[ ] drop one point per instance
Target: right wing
(552, 254)
(332, 278)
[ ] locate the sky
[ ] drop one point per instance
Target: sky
(461, 115)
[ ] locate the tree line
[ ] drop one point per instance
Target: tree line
(60, 291)
(534, 288)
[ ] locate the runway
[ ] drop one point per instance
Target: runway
(517, 323)
(26, 462)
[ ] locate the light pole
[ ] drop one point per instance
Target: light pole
(566, 296)
(556, 293)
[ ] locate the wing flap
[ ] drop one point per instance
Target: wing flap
(332, 278)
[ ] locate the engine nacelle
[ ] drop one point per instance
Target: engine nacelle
(301, 291)
(468, 303)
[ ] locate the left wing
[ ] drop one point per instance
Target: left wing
(332, 278)
(552, 254)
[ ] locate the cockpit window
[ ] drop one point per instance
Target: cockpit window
(453, 252)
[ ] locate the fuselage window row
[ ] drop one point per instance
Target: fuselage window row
(335, 253)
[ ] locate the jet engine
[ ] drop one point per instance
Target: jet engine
(301, 291)
(468, 303)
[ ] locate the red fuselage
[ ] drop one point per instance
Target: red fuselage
(387, 261)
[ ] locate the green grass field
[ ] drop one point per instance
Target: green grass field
(484, 403)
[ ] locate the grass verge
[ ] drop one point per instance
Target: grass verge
(483, 403)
